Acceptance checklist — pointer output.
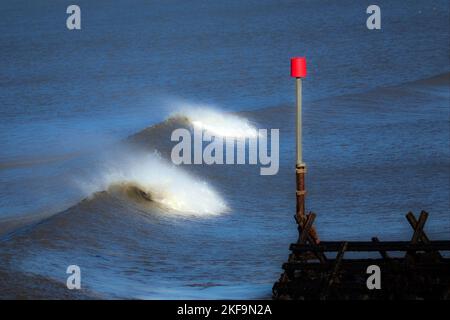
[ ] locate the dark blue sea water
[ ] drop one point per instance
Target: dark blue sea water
(376, 138)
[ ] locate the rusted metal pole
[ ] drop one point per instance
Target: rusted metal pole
(298, 71)
(300, 168)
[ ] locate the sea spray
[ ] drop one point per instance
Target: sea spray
(223, 132)
(217, 122)
(147, 177)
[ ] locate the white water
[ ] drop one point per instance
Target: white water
(217, 122)
(166, 184)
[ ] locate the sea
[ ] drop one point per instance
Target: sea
(86, 118)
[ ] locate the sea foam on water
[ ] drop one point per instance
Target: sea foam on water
(151, 178)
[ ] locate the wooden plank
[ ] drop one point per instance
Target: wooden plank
(307, 234)
(443, 265)
(306, 227)
(418, 231)
(413, 222)
(369, 246)
(382, 252)
(337, 264)
(423, 237)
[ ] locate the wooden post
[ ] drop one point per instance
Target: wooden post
(301, 192)
(334, 273)
(382, 252)
(423, 238)
(418, 230)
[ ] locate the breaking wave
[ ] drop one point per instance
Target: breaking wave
(148, 178)
(217, 122)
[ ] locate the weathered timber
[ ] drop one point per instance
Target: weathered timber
(369, 246)
(422, 273)
(333, 277)
(382, 252)
(361, 264)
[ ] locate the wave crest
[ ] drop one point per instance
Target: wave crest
(145, 178)
(217, 122)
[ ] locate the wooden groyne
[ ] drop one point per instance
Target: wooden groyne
(319, 270)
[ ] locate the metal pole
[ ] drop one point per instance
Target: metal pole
(298, 82)
(298, 71)
(300, 167)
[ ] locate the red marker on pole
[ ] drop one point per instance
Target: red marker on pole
(298, 71)
(298, 67)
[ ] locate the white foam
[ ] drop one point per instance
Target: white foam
(217, 122)
(167, 185)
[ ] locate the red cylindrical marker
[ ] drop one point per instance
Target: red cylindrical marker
(298, 67)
